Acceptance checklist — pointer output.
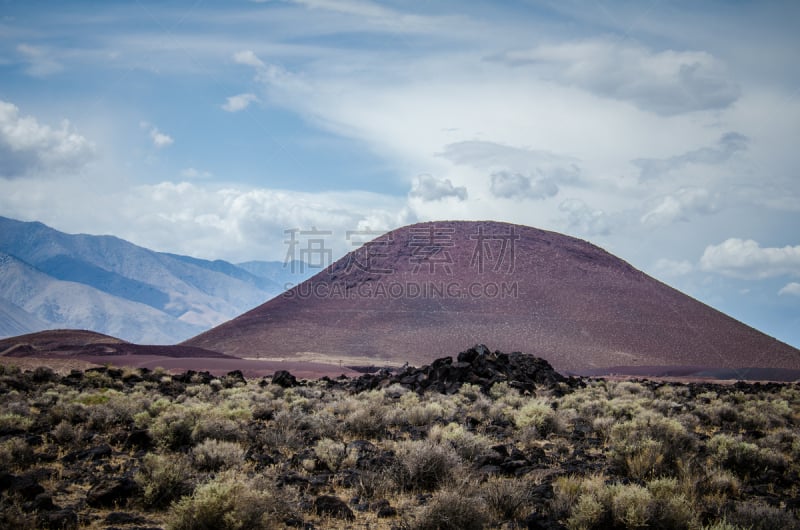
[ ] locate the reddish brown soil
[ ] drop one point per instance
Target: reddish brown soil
(56, 339)
(215, 365)
(568, 301)
(694, 373)
(220, 366)
(67, 343)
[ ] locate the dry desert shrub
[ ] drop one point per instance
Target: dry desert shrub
(593, 503)
(215, 427)
(450, 509)
(506, 498)
(15, 453)
(757, 516)
(424, 465)
(163, 478)
(468, 445)
(650, 444)
(232, 502)
(330, 452)
(213, 455)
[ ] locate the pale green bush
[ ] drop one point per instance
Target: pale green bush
(231, 502)
(331, 452)
(424, 465)
(213, 455)
(451, 510)
(163, 478)
(468, 445)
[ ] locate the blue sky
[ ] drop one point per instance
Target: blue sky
(665, 132)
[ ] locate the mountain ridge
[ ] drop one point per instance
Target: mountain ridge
(174, 297)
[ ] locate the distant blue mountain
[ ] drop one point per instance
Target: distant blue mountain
(234, 271)
(70, 269)
(167, 297)
(283, 274)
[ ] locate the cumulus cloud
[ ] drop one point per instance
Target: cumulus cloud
(249, 58)
(506, 184)
(792, 288)
(582, 219)
(745, 258)
(430, 188)
(27, 147)
(160, 139)
(681, 206)
(729, 144)
(252, 221)
(238, 102)
(667, 82)
(202, 219)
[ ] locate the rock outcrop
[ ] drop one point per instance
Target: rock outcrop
(477, 366)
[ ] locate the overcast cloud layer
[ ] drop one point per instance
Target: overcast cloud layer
(665, 132)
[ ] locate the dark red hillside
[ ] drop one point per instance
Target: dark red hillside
(426, 290)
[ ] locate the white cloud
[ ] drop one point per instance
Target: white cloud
(160, 139)
(516, 185)
(729, 144)
(667, 82)
(41, 62)
(745, 258)
(792, 288)
(581, 219)
(249, 58)
(27, 147)
(238, 102)
(681, 205)
(430, 188)
(202, 219)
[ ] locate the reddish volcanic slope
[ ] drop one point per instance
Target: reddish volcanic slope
(76, 343)
(431, 289)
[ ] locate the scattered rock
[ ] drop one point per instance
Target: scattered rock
(111, 492)
(93, 453)
(477, 366)
(292, 479)
(64, 519)
(284, 379)
(139, 439)
(233, 377)
(333, 507)
(43, 503)
(125, 518)
(537, 521)
(26, 486)
(383, 509)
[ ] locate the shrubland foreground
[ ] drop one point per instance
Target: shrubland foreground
(125, 448)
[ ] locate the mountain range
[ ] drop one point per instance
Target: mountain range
(50, 279)
(412, 295)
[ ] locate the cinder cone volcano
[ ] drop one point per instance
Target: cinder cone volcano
(431, 289)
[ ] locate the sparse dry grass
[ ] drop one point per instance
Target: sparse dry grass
(233, 454)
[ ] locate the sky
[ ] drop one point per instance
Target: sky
(665, 132)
